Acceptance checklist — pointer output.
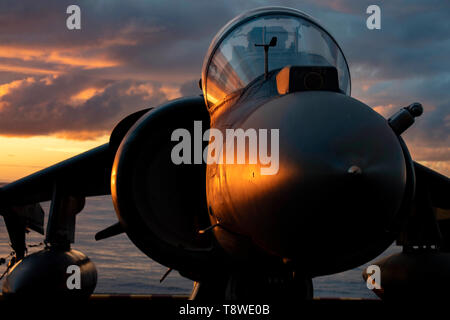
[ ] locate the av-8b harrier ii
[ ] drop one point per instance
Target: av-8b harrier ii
(342, 190)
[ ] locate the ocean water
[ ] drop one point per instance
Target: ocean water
(122, 268)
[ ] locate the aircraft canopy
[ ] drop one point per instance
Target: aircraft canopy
(233, 60)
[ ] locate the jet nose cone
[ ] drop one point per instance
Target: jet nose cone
(340, 180)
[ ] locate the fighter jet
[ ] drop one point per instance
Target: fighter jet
(342, 190)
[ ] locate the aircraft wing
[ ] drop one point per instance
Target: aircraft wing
(438, 186)
(84, 175)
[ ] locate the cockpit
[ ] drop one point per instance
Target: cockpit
(264, 40)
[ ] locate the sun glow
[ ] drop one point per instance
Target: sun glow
(22, 156)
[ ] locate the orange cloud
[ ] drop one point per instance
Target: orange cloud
(386, 110)
(85, 94)
(27, 70)
(68, 57)
(171, 92)
(149, 89)
(77, 60)
(8, 87)
(83, 135)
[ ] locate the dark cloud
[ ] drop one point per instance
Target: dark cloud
(405, 61)
(143, 36)
(172, 36)
(45, 105)
(190, 88)
(7, 77)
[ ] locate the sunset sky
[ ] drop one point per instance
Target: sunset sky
(62, 91)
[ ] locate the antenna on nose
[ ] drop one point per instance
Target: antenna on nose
(272, 43)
